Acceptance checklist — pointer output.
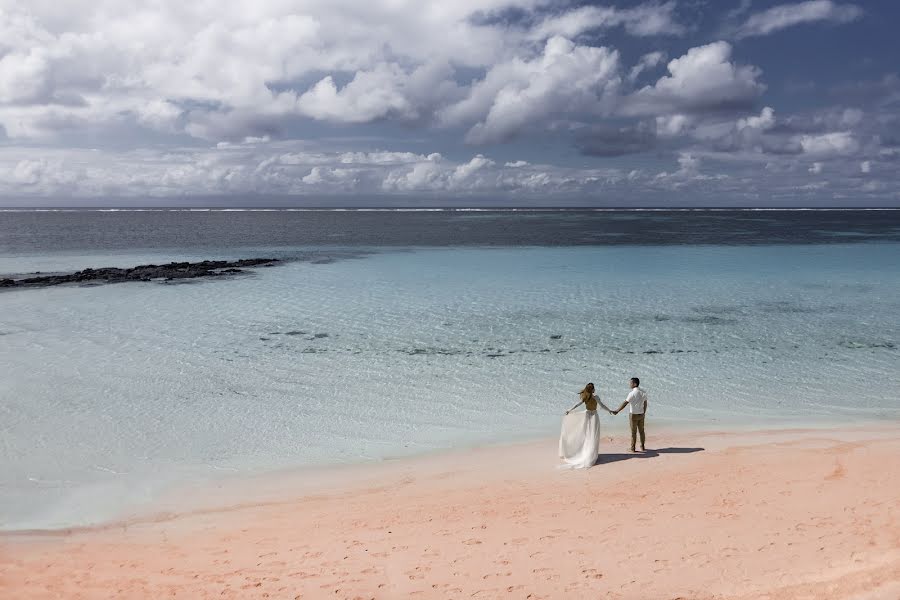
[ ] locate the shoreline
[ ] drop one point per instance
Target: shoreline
(767, 514)
(187, 497)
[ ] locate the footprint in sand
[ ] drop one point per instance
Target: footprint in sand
(418, 572)
(493, 575)
(302, 575)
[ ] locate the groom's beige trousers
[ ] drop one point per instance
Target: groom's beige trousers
(637, 425)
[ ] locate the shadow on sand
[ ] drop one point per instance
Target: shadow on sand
(649, 453)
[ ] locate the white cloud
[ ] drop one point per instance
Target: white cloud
(384, 157)
(426, 175)
(789, 15)
(226, 72)
(644, 20)
(96, 61)
(647, 61)
(704, 78)
(247, 81)
(370, 95)
(514, 94)
(334, 177)
(670, 126)
(468, 170)
(278, 169)
(435, 174)
(839, 143)
(765, 120)
(297, 170)
(29, 172)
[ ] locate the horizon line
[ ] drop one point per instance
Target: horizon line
(435, 208)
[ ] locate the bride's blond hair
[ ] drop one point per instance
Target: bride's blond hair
(587, 392)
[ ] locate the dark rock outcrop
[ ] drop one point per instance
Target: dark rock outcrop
(168, 272)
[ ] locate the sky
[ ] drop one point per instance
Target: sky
(469, 102)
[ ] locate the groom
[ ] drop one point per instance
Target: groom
(637, 406)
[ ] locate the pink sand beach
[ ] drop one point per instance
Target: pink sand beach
(812, 514)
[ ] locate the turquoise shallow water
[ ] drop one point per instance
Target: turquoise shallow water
(114, 393)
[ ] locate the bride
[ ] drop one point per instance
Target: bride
(579, 441)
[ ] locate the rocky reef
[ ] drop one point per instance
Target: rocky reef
(164, 273)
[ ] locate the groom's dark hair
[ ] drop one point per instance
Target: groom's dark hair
(635, 381)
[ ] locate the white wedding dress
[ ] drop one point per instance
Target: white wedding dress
(579, 440)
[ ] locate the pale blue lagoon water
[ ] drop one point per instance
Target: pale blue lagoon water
(114, 393)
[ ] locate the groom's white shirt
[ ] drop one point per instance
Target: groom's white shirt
(637, 401)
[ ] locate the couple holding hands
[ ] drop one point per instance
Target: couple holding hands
(579, 441)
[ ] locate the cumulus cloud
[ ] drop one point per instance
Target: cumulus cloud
(33, 176)
(292, 171)
(765, 120)
(274, 169)
(703, 79)
(518, 92)
(370, 95)
(789, 15)
(167, 65)
(225, 72)
(333, 177)
(839, 143)
(29, 172)
(670, 126)
(751, 134)
(295, 97)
